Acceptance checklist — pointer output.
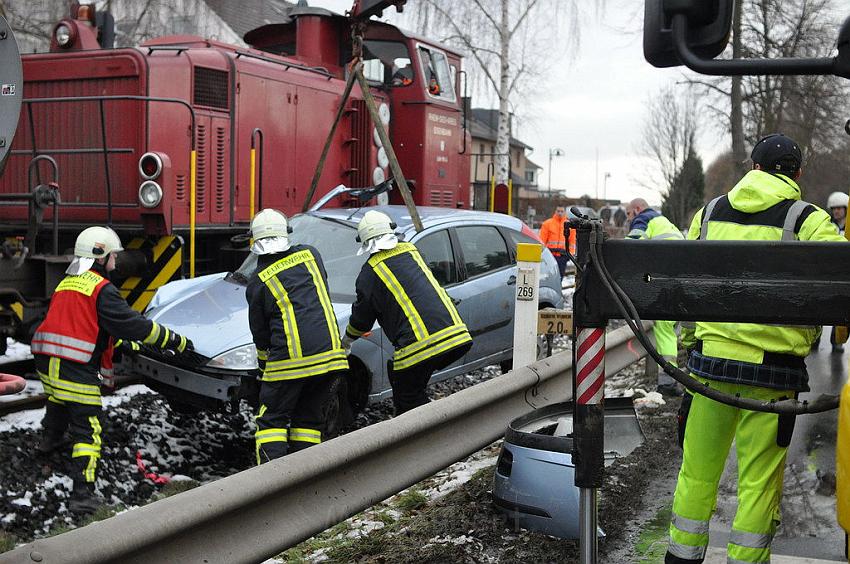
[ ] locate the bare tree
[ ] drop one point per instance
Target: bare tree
(668, 138)
(508, 41)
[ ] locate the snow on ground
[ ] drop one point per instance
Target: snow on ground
(15, 351)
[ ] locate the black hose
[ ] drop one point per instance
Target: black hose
(630, 315)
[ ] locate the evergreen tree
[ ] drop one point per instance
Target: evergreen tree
(686, 192)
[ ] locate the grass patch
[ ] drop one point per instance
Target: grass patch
(176, 487)
(652, 542)
(410, 500)
(7, 541)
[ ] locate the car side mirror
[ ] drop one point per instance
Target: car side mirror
(709, 26)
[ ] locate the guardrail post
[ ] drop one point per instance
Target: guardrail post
(525, 313)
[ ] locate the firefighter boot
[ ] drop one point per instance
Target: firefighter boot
(83, 499)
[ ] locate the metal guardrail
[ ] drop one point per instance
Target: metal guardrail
(257, 513)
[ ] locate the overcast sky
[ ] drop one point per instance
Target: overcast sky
(594, 103)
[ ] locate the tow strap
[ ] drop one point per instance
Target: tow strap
(153, 477)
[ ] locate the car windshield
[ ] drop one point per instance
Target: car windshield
(335, 242)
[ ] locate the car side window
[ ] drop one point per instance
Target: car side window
(517, 237)
(483, 248)
(436, 251)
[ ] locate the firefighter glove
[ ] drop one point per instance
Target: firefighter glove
(177, 343)
(346, 343)
(128, 347)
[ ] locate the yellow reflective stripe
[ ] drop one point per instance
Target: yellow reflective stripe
(304, 360)
(77, 398)
(418, 346)
(287, 312)
(399, 249)
(166, 334)
(395, 288)
(153, 336)
(305, 435)
(65, 390)
(270, 435)
(85, 449)
(431, 352)
(324, 299)
(444, 297)
(285, 263)
(95, 427)
(341, 364)
(67, 385)
(261, 412)
(351, 331)
(88, 473)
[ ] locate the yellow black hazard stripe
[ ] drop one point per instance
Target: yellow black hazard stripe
(166, 258)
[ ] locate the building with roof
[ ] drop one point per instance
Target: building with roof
(483, 128)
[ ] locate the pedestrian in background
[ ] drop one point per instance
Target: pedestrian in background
(73, 350)
(552, 235)
(647, 223)
(294, 328)
(761, 362)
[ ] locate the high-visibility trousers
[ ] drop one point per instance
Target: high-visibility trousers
(842, 463)
(710, 429)
(665, 342)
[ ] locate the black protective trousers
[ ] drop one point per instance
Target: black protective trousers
(292, 415)
(409, 385)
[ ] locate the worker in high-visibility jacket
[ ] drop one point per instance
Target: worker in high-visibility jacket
(763, 362)
(297, 337)
(647, 223)
(73, 350)
(552, 235)
(396, 288)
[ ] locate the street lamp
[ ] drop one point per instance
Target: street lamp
(553, 153)
(605, 185)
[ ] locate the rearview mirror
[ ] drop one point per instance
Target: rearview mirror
(709, 25)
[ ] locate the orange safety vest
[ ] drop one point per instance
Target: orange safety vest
(70, 329)
(552, 235)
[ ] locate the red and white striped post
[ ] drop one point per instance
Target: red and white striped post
(588, 433)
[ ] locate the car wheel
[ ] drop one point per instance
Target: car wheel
(338, 412)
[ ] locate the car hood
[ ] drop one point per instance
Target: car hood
(212, 312)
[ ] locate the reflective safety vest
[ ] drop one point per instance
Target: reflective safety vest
(650, 224)
(302, 329)
(761, 207)
(553, 236)
(70, 329)
(397, 288)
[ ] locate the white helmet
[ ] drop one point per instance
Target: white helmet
(269, 223)
(97, 242)
(374, 224)
(837, 200)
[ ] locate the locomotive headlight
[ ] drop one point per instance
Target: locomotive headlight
(150, 166)
(63, 35)
(150, 194)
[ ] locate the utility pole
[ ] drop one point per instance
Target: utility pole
(596, 177)
(605, 185)
(553, 152)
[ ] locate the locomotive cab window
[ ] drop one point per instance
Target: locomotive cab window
(387, 62)
(437, 74)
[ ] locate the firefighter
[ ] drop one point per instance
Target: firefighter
(297, 337)
(647, 223)
(552, 235)
(763, 362)
(75, 342)
(397, 289)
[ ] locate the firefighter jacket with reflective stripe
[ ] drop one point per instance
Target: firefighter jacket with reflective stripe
(397, 289)
(761, 207)
(292, 320)
(553, 236)
(650, 224)
(86, 313)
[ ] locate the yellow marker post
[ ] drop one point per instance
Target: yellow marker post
(492, 193)
(253, 179)
(528, 256)
(192, 210)
(510, 195)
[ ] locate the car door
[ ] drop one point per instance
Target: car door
(438, 253)
(486, 292)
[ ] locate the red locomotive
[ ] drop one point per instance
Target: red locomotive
(126, 127)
